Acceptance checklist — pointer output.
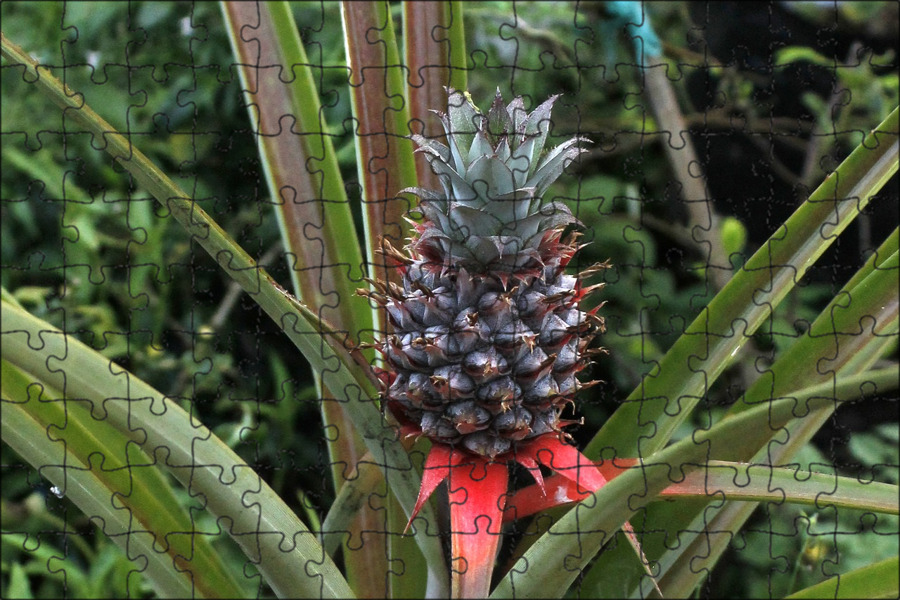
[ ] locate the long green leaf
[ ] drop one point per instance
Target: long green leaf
(313, 213)
(310, 202)
(699, 355)
(729, 480)
(126, 498)
(385, 165)
(835, 338)
(385, 162)
(553, 563)
(299, 161)
(868, 308)
(270, 534)
(131, 477)
(691, 520)
(354, 495)
(881, 580)
(750, 482)
(435, 50)
(668, 393)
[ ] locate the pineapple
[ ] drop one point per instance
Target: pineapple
(487, 333)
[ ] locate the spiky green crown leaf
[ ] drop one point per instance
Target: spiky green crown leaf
(490, 213)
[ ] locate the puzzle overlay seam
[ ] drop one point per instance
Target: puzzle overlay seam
(335, 299)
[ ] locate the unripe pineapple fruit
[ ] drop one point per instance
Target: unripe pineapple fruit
(487, 334)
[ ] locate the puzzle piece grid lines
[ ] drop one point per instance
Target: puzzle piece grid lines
(89, 250)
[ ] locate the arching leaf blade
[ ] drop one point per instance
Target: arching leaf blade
(643, 425)
(287, 554)
(556, 559)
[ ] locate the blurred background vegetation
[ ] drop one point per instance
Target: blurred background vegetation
(774, 94)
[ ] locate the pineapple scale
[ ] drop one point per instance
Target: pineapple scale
(482, 364)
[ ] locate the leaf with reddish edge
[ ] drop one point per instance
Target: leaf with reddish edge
(557, 490)
(717, 477)
(437, 468)
(566, 460)
(385, 162)
(436, 59)
(531, 464)
(477, 497)
(584, 475)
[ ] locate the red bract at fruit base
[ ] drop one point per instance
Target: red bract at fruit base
(488, 336)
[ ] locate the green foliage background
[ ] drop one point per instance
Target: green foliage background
(71, 221)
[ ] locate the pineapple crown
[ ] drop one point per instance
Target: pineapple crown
(490, 213)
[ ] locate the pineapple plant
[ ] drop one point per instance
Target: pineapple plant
(487, 333)
(476, 466)
(488, 336)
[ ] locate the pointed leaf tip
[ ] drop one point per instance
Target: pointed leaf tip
(531, 464)
(566, 460)
(441, 459)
